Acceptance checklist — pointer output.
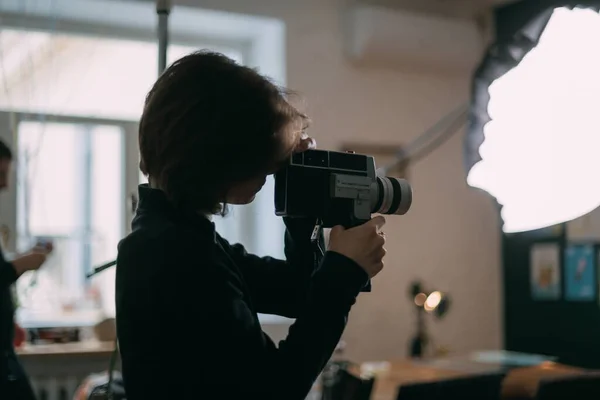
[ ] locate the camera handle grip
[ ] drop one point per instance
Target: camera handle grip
(350, 223)
(353, 222)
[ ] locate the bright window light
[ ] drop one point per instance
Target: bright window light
(540, 157)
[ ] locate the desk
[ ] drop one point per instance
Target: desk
(62, 359)
(522, 383)
(59, 368)
(518, 383)
(74, 349)
(391, 375)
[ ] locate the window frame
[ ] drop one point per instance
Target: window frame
(261, 41)
(8, 204)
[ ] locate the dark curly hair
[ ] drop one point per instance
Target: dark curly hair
(209, 122)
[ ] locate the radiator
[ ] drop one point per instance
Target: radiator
(55, 388)
(63, 388)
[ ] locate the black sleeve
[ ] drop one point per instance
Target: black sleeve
(281, 287)
(199, 338)
(8, 274)
(237, 345)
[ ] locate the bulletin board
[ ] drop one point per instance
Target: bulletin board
(551, 285)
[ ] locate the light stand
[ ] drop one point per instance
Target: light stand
(419, 341)
(434, 302)
(163, 10)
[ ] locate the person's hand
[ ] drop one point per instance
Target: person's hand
(44, 246)
(30, 261)
(363, 244)
(306, 143)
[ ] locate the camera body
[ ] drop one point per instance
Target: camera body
(337, 188)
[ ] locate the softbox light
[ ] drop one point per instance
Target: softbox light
(539, 151)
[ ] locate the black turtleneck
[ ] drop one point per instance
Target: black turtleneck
(187, 304)
(8, 276)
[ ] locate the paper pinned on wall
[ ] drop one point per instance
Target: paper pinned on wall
(585, 228)
(580, 273)
(545, 271)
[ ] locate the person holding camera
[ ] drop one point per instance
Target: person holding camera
(14, 382)
(187, 300)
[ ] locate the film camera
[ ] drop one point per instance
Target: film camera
(337, 189)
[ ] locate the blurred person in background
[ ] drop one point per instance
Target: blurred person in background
(14, 383)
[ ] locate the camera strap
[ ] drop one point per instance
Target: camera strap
(314, 237)
(111, 370)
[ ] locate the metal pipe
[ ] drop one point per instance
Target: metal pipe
(163, 9)
(101, 268)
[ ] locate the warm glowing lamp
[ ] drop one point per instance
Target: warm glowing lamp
(435, 303)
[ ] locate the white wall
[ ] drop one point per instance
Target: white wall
(450, 238)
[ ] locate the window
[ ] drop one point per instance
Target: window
(539, 155)
(71, 176)
(70, 186)
(75, 74)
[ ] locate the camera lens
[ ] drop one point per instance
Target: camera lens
(391, 196)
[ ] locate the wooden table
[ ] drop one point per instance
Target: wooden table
(518, 383)
(92, 347)
(391, 375)
(65, 359)
(522, 383)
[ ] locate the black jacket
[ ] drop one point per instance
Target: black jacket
(8, 276)
(14, 383)
(187, 304)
